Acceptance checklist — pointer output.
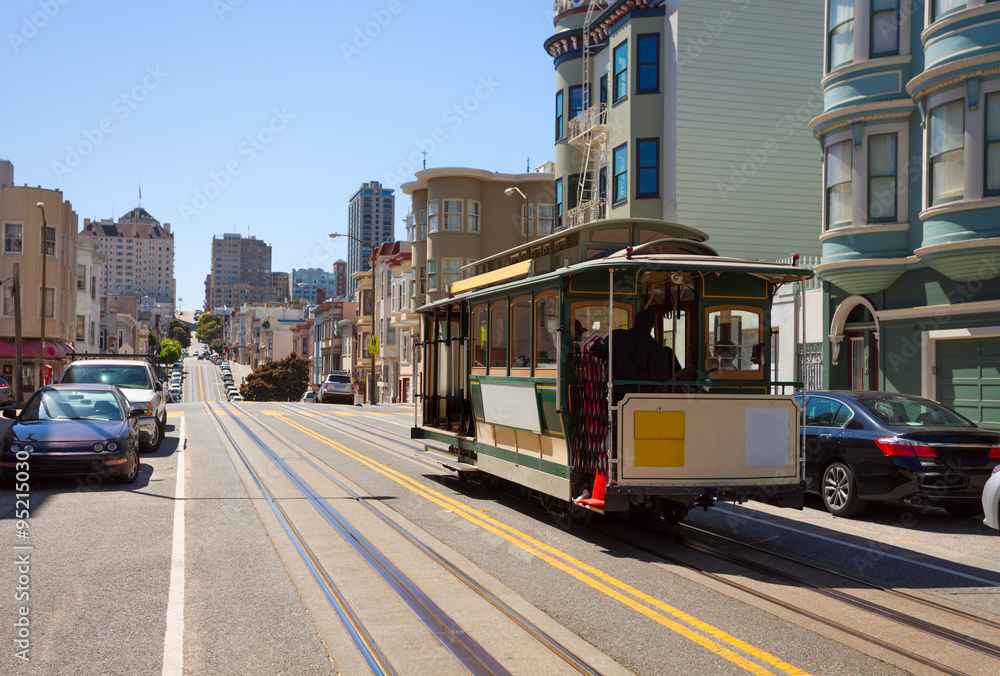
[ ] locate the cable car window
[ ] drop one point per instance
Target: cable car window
(611, 236)
(480, 324)
(591, 321)
(546, 323)
(498, 337)
(735, 342)
(520, 332)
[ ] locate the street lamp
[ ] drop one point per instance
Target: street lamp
(45, 258)
(371, 355)
(524, 209)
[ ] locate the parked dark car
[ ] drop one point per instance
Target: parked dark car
(6, 393)
(863, 446)
(71, 430)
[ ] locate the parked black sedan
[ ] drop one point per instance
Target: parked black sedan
(864, 446)
(73, 430)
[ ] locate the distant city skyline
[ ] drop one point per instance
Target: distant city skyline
(226, 136)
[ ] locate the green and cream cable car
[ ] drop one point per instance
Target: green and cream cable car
(512, 383)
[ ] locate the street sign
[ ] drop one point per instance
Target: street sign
(373, 345)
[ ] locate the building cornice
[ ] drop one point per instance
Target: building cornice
(851, 231)
(913, 87)
(865, 112)
(863, 66)
(953, 207)
(977, 307)
(423, 176)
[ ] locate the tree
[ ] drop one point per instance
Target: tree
(217, 346)
(170, 351)
(151, 341)
(207, 331)
(205, 318)
(180, 332)
(283, 380)
(182, 335)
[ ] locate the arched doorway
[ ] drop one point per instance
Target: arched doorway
(854, 338)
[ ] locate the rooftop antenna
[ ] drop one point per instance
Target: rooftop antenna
(140, 193)
(424, 153)
(527, 165)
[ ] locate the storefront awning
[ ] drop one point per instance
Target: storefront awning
(29, 349)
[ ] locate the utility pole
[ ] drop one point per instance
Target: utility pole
(18, 342)
(45, 258)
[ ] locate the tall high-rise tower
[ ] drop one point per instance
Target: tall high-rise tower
(369, 219)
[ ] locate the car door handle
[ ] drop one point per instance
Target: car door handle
(826, 436)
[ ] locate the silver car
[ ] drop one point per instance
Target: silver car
(991, 500)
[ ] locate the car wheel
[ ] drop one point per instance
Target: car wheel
(840, 491)
(964, 508)
(158, 431)
(133, 474)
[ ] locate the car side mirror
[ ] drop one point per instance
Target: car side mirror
(9, 413)
(158, 386)
(136, 412)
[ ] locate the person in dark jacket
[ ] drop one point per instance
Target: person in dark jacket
(637, 354)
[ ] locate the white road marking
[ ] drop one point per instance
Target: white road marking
(173, 640)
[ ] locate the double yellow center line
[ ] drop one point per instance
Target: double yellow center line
(653, 608)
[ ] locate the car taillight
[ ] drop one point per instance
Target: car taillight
(904, 447)
(995, 453)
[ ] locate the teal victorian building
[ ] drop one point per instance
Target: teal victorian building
(910, 134)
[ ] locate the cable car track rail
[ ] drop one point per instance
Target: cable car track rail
(352, 624)
(937, 630)
(468, 652)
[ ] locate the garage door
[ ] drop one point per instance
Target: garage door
(968, 378)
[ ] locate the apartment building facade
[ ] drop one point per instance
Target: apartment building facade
(461, 215)
(90, 266)
(241, 273)
(308, 282)
(693, 112)
(910, 131)
(370, 215)
(24, 242)
(140, 256)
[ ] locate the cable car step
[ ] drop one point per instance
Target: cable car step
(449, 460)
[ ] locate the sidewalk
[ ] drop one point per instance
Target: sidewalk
(240, 372)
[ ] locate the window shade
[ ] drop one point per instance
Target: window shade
(992, 171)
(948, 127)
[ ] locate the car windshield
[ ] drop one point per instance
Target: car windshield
(913, 412)
(123, 376)
(70, 405)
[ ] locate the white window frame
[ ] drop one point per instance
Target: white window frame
(452, 216)
(20, 239)
(836, 140)
(550, 220)
(450, 276)
(474, 213)
(433, 208)
(432, 275)
(48, 307)
(4, 310)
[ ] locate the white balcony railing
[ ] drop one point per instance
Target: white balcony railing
(593, 119)
(588, 212)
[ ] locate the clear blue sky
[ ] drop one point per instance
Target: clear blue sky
(274, 113)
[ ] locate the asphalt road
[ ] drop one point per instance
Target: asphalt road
(101, 562)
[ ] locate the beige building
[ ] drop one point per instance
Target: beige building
(89, 282)
(462, 215)
(140, 256)
(21, 225)
(241, 274)
(397, 325)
